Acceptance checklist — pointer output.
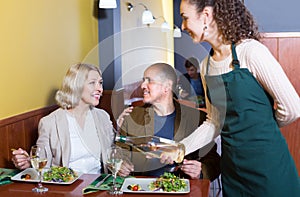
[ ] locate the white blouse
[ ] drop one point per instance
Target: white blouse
(267, 71)
(85, 146)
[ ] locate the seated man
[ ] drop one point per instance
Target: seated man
(190, 84)
(163, 116)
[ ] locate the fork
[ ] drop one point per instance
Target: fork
(176, 167)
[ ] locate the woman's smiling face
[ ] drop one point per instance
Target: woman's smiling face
(93, 89)
(192, 22)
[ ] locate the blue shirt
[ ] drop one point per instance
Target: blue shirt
(197, 86)
(163, 127)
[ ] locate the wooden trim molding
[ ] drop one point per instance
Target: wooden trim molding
(27, 115)
(281, 35)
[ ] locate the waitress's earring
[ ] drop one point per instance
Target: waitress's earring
(205, 33)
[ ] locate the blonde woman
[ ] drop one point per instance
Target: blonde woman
(76, 135)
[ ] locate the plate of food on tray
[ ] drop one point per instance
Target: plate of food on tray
(53, 175)
(167, 183)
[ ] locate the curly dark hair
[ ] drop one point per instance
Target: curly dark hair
(233, 19)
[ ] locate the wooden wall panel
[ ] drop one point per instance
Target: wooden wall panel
(292, 136)
(19, 131)
(112, 102)
(272, 44)
(4, 153)
(289, 58)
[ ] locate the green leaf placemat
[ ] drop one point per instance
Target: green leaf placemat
(93, 187)
(6, 174)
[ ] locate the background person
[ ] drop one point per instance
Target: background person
(191, 83)
(163, 116)
(76, 135)
(242, 81)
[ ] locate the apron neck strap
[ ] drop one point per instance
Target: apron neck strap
(211, 53)
(235, 61)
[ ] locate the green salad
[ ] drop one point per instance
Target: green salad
(60, 174)
(168, 182)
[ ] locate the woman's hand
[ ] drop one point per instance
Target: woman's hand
(126, 112)
(192, 168)
(126, 168)
(21, 159)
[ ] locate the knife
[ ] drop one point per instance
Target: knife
(100, 182)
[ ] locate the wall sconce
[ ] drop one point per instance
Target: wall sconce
(165, 25)
(176, 32)
(166, 28)
(106, 4)
(147, 17)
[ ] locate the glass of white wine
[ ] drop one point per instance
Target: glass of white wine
(38, 158)
(114, 163)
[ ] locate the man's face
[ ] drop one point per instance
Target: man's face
(192, 72)
(153, 87)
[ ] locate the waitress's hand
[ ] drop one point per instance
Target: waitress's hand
(166, 159)
(125, 112)
(20, 159)
(192, 168)
(126, 168)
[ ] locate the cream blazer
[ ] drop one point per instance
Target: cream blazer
(54, 135)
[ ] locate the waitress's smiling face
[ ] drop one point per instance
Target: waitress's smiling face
(192, 22)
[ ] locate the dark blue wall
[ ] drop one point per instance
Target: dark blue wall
(275, 15)
(270, 15)
(109, 46)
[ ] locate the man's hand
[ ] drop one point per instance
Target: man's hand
(192, 168)
(125, 112)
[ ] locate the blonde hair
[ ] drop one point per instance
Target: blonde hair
(69, 95)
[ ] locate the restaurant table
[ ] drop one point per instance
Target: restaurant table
(199, 188)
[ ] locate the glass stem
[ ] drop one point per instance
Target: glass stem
(40, 182)
(114, 181)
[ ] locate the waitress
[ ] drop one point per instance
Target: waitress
(243, 82)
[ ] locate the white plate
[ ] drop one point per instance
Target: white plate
(35, 178)
(144, 183)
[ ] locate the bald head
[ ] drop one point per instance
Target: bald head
(164, 72)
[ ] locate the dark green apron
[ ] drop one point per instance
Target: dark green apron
(255, 157)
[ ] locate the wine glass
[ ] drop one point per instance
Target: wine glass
(38, 158)
(114, 163)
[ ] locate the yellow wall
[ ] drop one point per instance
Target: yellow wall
(39, 40)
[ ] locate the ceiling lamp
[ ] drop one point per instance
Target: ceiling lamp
(106, 4)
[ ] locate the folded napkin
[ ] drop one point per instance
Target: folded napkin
(6, 174)
(105, 185)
